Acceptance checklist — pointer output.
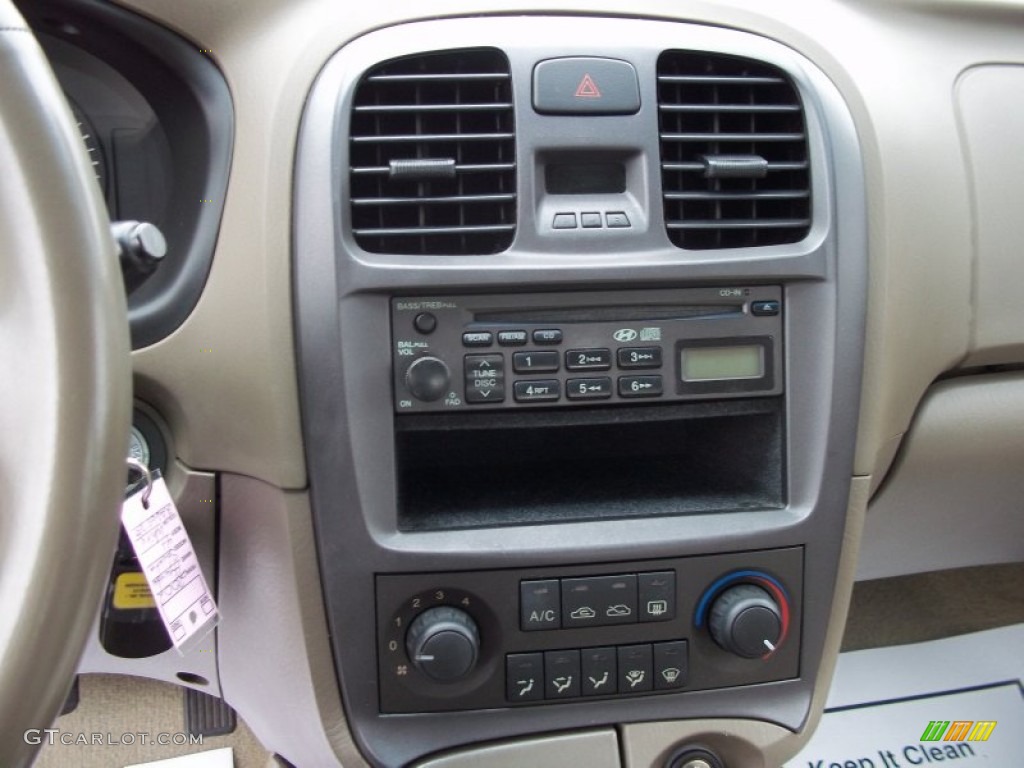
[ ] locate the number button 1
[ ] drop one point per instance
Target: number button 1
(545, 361)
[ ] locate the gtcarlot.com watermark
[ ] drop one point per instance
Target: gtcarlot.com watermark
(51, 736)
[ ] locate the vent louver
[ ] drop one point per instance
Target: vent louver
(734, 158)
(433, 155)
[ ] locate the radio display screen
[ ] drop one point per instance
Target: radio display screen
(722, 363)
(585, 178)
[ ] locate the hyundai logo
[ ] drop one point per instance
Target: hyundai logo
(624, 334)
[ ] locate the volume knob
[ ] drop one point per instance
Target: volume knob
(428, 378)
(443, 643)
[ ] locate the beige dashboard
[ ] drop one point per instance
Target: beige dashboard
(913, 74)
(931, 89)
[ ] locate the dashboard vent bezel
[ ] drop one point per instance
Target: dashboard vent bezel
(432, 155)
(735, 158)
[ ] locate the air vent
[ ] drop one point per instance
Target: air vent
(734, 163)
(433, 155)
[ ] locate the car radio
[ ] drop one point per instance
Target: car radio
(571, 349)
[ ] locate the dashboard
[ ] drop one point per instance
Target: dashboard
(555, 370)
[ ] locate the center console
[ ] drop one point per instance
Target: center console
(580, 344)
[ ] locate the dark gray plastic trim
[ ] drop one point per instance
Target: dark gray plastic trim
(342, 299)
(165, 68)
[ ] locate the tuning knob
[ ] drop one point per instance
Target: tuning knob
(443, 643)
(428, 378)
(746, 620)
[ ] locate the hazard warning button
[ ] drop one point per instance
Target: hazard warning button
(585, 85)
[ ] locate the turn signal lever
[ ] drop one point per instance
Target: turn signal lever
(142, 247)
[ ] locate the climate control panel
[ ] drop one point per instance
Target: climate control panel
(486, 352)
(486, 639)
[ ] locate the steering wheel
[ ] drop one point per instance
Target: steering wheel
(65, 392)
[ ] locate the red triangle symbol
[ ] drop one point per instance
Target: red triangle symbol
(587, 89)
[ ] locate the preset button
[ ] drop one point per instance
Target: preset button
(640, 386)
(639, 357)
(595, 388)
(544, 361)
(536, 390)
(588, 359)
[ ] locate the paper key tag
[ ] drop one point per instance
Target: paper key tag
(170, 565)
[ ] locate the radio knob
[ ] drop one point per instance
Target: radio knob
(443, 643)
(746, 620)
(428, 379)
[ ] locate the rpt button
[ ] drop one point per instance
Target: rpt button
(485, 378)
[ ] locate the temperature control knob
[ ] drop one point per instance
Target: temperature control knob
(746, 620)
(443, 643)
(428, 378)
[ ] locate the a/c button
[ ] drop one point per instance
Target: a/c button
(540, 605)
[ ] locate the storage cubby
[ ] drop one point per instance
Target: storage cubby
(484, 469)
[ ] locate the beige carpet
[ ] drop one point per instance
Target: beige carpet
(118, 705)
(929, 606)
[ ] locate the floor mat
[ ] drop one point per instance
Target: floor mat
(119, 721)
(955, 701)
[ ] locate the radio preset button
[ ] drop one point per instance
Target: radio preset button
(535, 362)
(539, 390)
(511, 338)
(639, 357)
(595, 388)
(547, 336)
(588, 359)
(640, 386)
(485, 378)
(477, 338)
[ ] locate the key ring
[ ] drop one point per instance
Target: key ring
(142, 469)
